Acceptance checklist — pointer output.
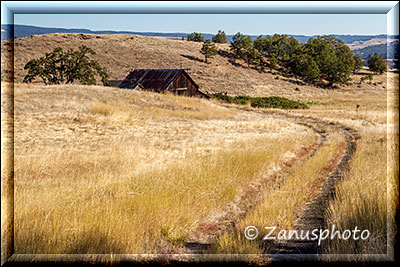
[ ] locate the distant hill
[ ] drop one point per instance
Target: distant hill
(21, 31)
(386, 51)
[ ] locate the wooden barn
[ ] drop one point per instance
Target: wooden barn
(176, 81)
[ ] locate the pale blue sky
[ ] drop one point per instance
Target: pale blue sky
(251, 24)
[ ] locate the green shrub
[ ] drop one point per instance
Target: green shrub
(262, 102)
(223, 98)
(242, 100)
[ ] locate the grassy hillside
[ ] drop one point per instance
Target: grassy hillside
(120, 53)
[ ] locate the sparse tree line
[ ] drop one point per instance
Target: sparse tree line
(220, 37)
(324, 58)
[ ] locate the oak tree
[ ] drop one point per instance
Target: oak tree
(377, 64)
(59, 67)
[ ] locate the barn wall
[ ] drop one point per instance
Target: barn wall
(181, 82)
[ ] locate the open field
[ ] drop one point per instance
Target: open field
(77, 159)
(88, 176)
(104, 170)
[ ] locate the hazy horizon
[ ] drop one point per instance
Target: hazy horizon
(249, 24)
(94, 30)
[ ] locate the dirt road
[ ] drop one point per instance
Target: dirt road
(313, 215)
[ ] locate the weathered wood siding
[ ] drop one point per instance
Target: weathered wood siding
(176, 81)
(183, 82)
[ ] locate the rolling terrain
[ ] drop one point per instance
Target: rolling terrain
(120, 53)
(365, 45)
(9, 31)
(151, 177)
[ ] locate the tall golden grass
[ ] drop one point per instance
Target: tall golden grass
(362, 200)
(367, 196)
(281, 206)
(119, 196)
(97, 203)
(122, 193)
(161, 107)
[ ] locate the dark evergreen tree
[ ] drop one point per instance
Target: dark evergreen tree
(240, 43)
(208, 50)
(195, 37)
(220, 37)
(251, 55)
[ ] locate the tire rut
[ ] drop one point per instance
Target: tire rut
(251, 197)
(313, 215)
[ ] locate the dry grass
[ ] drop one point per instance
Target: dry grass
(368, 195)
(113, 101)
(121, 53)
(159, 107)
(89, 180)
(365, 208)
(101, 170)
(371, 42)
(282, 206)
(101, 108)
(97, 203)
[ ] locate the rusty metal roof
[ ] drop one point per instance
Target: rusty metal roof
(152, 79)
